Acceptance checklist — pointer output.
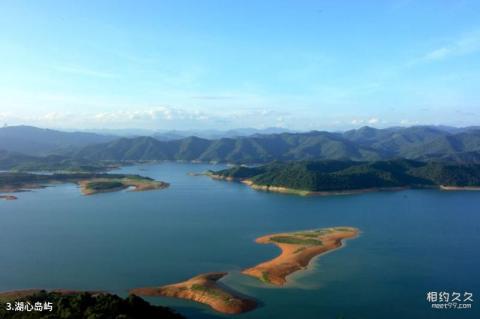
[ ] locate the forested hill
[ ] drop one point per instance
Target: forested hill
(365, 144)
(318, 176)
(81, 305)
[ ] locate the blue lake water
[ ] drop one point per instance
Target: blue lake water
(412, 242)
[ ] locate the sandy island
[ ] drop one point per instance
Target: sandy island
(8, 197)
(105, 185)
(298, 249)
(204, 289)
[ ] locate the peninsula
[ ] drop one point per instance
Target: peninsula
(90, 183)
(204, 289)
(347, 177)
(298, 249)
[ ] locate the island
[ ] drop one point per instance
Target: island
(337, 177)
(102, 185)
(90, 183)
(204, 289)
(79, 304)
(8, 197)
(298, 249)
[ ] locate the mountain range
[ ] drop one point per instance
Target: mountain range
(364, 144)
(423, 143)
(216, 134)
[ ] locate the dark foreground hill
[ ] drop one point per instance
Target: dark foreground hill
(81, 305)
(320, 176)
(366, 144)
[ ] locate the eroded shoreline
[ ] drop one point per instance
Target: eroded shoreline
(293, 191)
(203, 289)
(286, 190)
(298, 249)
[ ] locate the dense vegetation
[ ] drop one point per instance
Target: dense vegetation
(350, 175)
(296, 241)
(104, 185)
(89, 306)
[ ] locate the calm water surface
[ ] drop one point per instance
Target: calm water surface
(412, 242)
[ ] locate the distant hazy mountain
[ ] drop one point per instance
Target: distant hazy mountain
(127, 132)
(36, 141)
(418, 142)
(216, 134)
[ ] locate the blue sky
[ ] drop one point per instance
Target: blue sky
(327, 65)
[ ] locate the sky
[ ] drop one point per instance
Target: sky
(296, 64)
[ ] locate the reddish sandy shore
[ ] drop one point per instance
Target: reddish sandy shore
(286, 190)
(8, 197)
(298, 249)
(459, 188)
(204, 289)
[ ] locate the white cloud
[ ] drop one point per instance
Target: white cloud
(438, 54)
(466, 44)
(4, 115)
(361, 121)
(152, 118)
(54, 116)
(152, 114)
(356, 121)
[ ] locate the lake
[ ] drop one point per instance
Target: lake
(412, 242)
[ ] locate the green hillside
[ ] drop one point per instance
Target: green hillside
(348, 175)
